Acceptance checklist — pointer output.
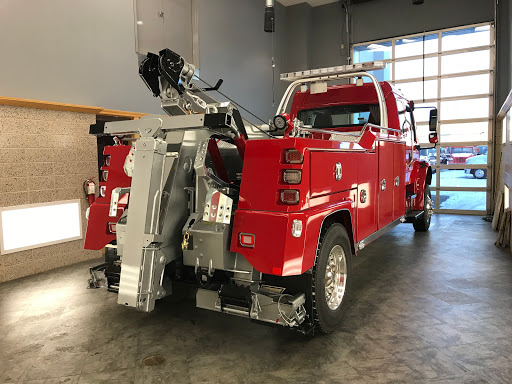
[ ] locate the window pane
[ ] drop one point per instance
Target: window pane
(422, 131)
(451, 133)
(465, 62)
(412, 46)
(465, 38)
(423, 114)
(473, 155)
(464, 109)
(418, 90)
(466, 85)
(464, 177)
(416, 68)
(429, 155)
(372, 52)
(462, 200)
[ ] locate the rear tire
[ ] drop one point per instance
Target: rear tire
(332, 277)
(422, 223)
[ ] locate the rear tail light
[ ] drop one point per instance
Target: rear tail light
(111, 228)
(102, 190)
(292, 176)
(247, 240)
(289, 196)
(292, 156)
(104, 175)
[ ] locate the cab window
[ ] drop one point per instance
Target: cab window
(341, 116)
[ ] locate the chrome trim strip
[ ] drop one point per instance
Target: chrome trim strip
(367, 240)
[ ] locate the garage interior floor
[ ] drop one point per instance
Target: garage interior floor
(427, 307)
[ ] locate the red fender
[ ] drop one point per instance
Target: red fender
(275, 251)
(419, 175)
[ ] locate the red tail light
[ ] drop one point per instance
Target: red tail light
(292, 176)
(111, 227)
(292, 156)
(289, 196)
(247, 240)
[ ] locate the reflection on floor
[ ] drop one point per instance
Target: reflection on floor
(427, 307)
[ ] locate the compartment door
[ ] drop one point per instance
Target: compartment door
(399, 178)
(385, 182)
(367, 195)
(332, 172)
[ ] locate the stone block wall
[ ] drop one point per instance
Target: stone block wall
(45, 156)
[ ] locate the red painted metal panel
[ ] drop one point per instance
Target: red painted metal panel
(399, 191)
(323, 167)
(276, 251)
(386, 171)
(367, 213)
(262, 176)
(97, 235)
(418, 176)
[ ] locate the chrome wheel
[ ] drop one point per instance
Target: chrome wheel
(429, 207)
(335, 277)
(479, 173)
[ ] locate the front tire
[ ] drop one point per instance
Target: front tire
(479, 173)
(422, 223)
(332, 277)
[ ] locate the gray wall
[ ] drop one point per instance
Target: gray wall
(326, 39)
(504, 51)
(379, 19)
(234, 47)
(299, 22)
(79, 52)
(83, 52)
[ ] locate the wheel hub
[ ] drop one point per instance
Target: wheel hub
(429, 207)
(335, 277)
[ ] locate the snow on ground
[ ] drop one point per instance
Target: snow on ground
(457, 199)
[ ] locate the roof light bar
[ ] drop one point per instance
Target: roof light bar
(330, 71)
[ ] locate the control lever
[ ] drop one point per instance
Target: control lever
(215, 87)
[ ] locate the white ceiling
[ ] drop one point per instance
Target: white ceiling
(313, 3)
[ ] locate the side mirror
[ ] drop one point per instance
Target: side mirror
(432, 138)
(432, 121)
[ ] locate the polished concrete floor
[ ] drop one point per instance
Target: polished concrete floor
(427, 307)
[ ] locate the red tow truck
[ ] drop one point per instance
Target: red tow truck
(264, 222)
(459, 155)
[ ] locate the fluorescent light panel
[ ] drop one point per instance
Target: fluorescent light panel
(37, 225)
